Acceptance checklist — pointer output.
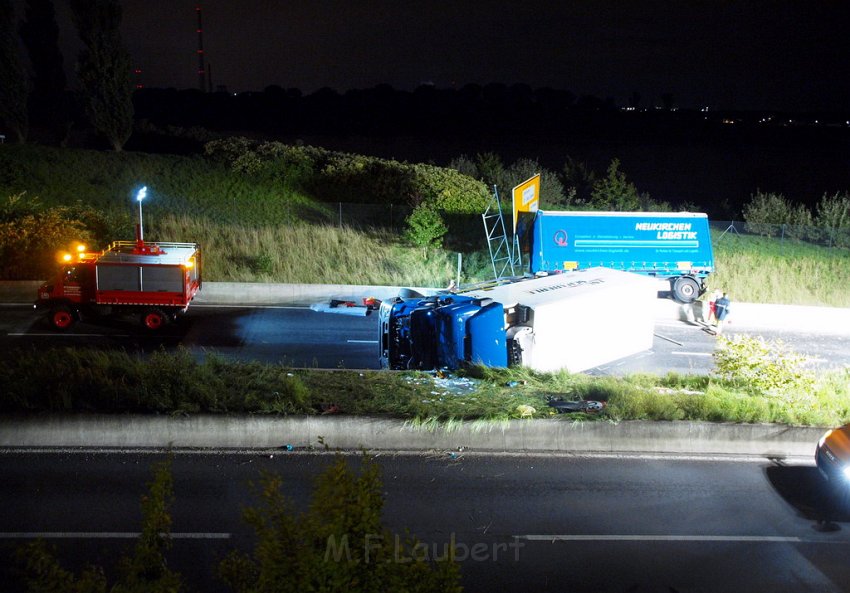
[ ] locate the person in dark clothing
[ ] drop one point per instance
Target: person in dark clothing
(721, 311)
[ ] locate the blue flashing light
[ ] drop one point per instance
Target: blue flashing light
(142, 193)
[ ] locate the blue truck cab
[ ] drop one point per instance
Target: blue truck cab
(675, 247)
(443, 331)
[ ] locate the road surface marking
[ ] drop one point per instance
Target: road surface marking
(65, 335)
(683, 353)
(101, 535)
(677, 538)
(362, 341)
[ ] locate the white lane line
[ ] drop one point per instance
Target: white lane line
(362, 341)
(683, 353)
(101, 535)
(675, 538)
(64, 335)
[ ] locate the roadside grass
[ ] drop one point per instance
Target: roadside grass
(767, 270)
(306, 253)
(87, 380)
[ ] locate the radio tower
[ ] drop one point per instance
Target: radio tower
(202, 71)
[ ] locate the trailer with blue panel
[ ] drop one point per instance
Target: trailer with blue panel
(675, 247)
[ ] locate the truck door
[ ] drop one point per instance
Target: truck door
(74, 280)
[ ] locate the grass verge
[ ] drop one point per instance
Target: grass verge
(88, 380)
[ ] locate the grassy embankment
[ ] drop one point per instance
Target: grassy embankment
(258, 230)
(268, 229)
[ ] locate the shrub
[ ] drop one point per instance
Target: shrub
(343, 177)
(615, 192)
(580, 178)
(769, 367)
(425, 228)
(765, 212)
(31, 236)
(833, 216)
(339, 543)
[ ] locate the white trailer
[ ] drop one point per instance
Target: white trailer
(576, 320)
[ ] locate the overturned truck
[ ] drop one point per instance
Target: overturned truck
(573, 321)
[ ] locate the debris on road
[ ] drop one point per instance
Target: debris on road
(567, 407)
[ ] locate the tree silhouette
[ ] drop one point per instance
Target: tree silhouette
(13, 83)
(104, 69)
(40, 35)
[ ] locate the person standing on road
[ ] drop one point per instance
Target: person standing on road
(721, 311)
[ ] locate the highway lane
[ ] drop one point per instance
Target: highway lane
(540, 523)
(296, 336)
(300, 337)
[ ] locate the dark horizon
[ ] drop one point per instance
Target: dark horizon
(766, 55)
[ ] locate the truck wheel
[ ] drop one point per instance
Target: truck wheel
(685, 289)
(154, 319)
(62, 317)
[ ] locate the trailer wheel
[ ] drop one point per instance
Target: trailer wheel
(685, 289)
(154, 319)
(62, 317)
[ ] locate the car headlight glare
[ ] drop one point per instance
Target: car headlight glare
(846, 472)
(824, 437)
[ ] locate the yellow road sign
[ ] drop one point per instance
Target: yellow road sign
(526, 197)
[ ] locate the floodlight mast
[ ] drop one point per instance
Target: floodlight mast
(139, 197)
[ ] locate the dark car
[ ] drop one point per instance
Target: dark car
(833, 456)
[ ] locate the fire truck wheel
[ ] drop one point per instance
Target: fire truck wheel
(154, 319)
(62, 317)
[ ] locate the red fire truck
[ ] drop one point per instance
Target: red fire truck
(155, 281)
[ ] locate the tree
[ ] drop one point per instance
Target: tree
(833, 215)
(614, 192)
(766, 212)
(40, 34)
(580, 178)
(425, 228)
(339, 544)
(104, 69)
(13, 81)
(145, 571)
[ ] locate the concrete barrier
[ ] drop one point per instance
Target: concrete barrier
(18, 291)
(347, 433)
(251, 293)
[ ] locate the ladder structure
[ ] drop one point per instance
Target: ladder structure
(501, 252)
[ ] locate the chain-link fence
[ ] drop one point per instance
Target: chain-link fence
(824, 236)
(389, 217)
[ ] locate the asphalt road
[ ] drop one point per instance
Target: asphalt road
(301, 337)
(522, 523)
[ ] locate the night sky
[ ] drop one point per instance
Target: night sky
(773, 55)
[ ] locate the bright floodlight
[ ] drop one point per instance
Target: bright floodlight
(139, 197)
